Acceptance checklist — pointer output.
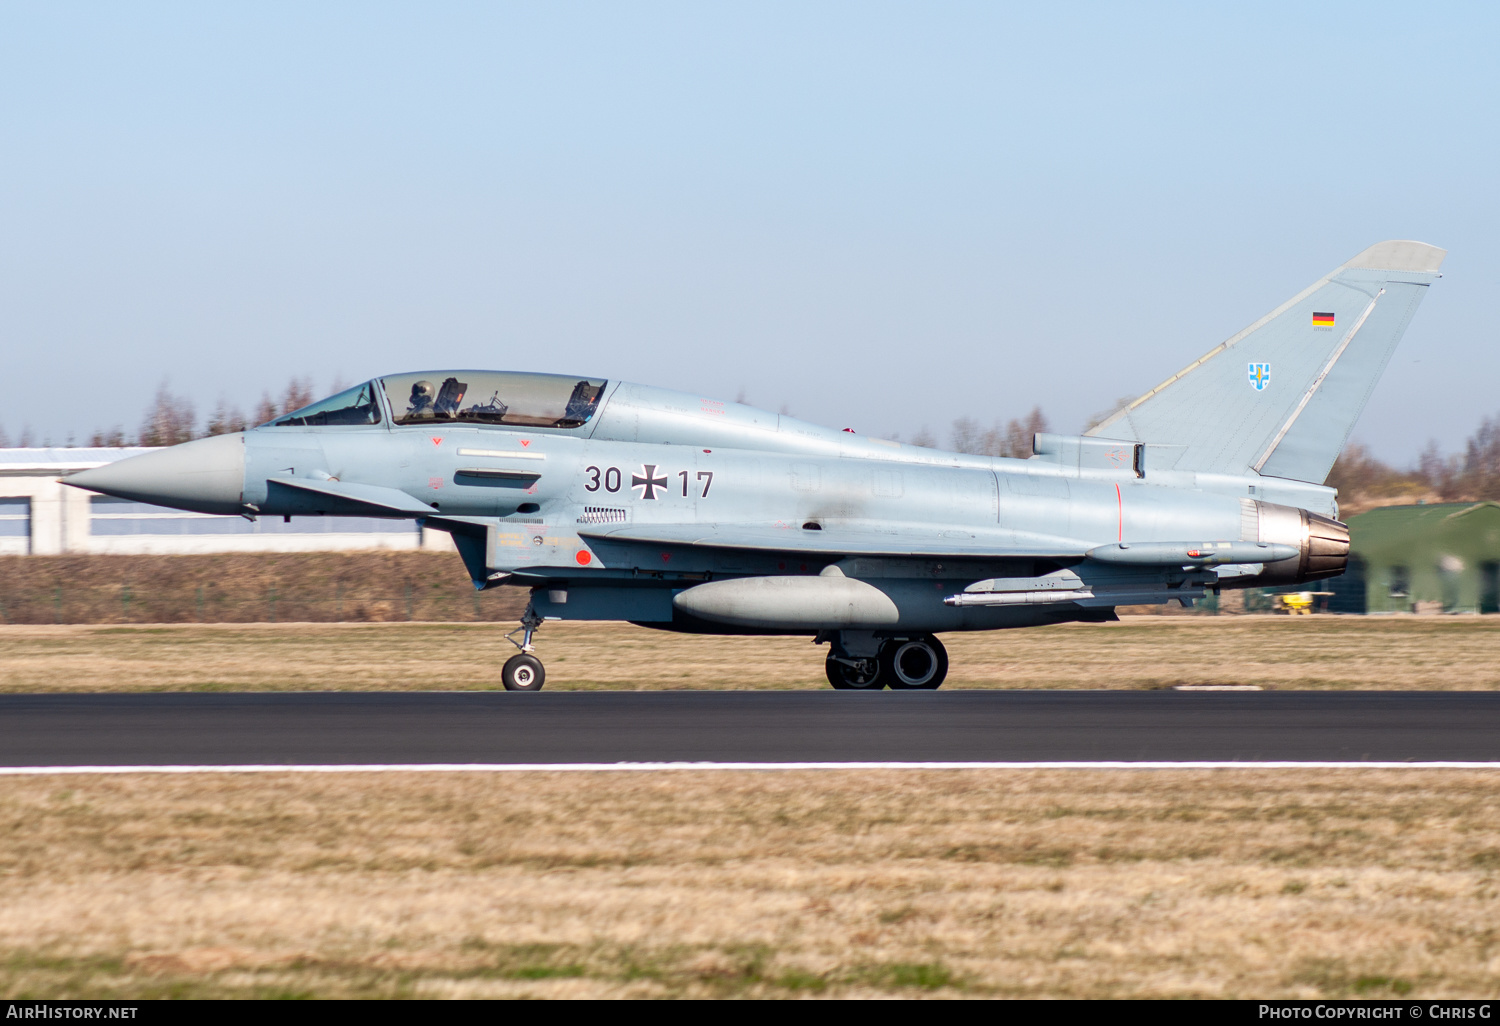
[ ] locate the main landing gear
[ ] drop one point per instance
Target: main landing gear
(524, 672)
(859, 661)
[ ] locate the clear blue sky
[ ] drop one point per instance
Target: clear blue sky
(878, 215)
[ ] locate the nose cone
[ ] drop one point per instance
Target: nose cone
(205, 476)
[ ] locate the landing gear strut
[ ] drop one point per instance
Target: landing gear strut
(854, 674)
(860, 661)
(524, 672)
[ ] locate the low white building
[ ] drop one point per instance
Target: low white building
(41, 516)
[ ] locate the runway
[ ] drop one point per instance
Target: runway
(578, 729)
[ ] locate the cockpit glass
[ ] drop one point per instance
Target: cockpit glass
(353, 406)
(493, 397)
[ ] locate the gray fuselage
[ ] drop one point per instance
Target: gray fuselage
(661, 492)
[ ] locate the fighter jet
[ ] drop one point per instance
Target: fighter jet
(616, 501)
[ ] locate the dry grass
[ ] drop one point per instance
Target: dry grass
(1097, 884)
(1094, 884)
(247, 587)
(1140, 652)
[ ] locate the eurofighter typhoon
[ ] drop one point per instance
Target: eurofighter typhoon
(616, 501)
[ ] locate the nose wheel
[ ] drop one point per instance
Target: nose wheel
(523, 673)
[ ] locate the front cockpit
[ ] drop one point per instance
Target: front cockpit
(499, 398)
(352, 406)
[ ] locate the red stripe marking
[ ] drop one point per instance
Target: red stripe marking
(1120, 500)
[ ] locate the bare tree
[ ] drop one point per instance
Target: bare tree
(1442, 474)
(4, 438)
(114, 438)
(1019, 434)
(26, 441)
(1012, 439)
(926, 439)
(1364, 482)
(299, 393)
(265, 410)
(225, 419)
(968, 436)
(1357, 470)
(1469, 476)
(169, 419)
(1481, 473)
(1103, 415)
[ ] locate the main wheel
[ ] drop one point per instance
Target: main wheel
(919, 664)
(523, 673)
(865, 675)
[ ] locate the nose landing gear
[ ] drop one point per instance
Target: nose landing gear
(524, 672)
(859, 661)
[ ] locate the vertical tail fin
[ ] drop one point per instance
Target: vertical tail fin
(1280, 397)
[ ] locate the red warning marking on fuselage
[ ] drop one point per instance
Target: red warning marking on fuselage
(584, 557)
(437, 441)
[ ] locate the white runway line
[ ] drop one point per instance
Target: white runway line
(1217, 687)
(658, 767)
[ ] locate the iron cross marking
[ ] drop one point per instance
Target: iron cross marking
(647, 481)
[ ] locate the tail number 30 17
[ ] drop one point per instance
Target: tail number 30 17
(651, 481)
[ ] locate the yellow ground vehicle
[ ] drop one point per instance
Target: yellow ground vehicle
(1298, 603)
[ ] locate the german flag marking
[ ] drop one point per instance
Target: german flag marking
(1322, 320)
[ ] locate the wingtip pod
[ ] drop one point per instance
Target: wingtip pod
(1400, 255)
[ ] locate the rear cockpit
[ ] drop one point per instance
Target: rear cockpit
(493, 397)
(501, 398)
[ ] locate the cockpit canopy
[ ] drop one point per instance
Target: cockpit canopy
(493, 397)
(352, 406)
(475, 397)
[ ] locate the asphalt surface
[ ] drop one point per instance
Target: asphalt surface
(603, 727)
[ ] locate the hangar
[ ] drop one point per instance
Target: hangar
(1442, 557)
(41, 516)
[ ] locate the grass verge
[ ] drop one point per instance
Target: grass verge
(1380, 653)
(1029, 883)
